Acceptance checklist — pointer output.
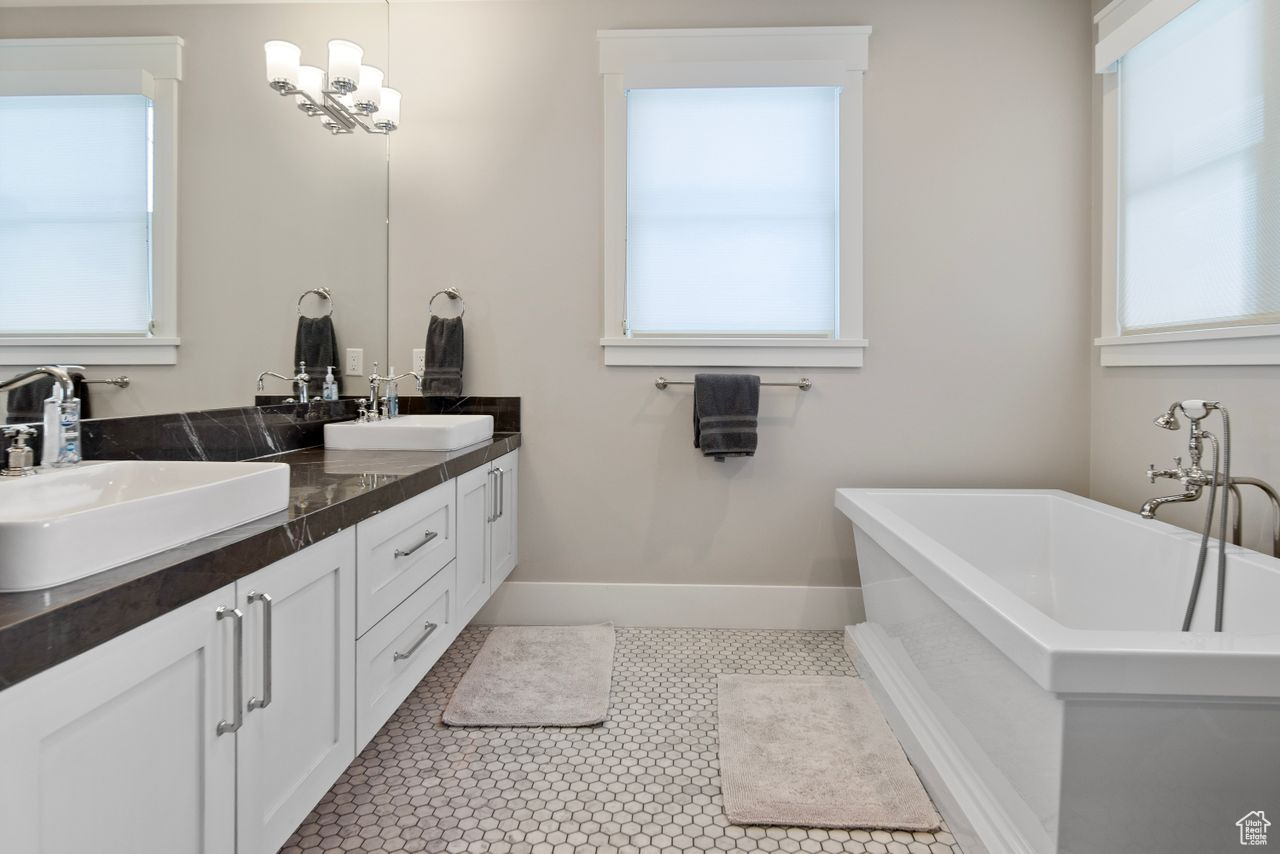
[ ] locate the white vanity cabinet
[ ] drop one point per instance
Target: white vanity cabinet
(212, 729)
(217, 727)
(299, 689)
(117, 751)
(487, 544)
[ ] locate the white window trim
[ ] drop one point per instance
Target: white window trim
(755, 56)
(1122, 25)
(97, 65)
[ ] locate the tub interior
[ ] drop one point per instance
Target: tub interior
(1088, 567)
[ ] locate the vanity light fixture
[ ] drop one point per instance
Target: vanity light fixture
(350, 96)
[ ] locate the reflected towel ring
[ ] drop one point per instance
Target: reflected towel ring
(324, 293)
(452, 293)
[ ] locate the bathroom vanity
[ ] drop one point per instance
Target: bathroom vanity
(204, 699)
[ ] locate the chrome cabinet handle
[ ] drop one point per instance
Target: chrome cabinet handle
(237, 688)
(430, 630)
(493, 497)
(267, 634)
(427, 537)
(502, 493)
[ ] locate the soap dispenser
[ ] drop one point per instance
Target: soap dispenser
(330, 390)
(393, 397)
(61, 446)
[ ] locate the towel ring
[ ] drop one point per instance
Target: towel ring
(324, 293)
(452, 293)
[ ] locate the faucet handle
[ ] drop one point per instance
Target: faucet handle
(19, 435)
(1151, 472)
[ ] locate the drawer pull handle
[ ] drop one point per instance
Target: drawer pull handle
(428, 537)
(430, 630)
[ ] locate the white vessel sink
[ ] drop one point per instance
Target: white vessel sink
(409, 433)
(63, 524)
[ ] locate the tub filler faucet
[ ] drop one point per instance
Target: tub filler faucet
(1194, 479)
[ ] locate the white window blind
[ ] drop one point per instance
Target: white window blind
(1199, 242)
(733, 215)
(75, 214)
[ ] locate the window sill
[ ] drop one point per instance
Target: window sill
(1239, 345)
(734, 352)
(89, 351)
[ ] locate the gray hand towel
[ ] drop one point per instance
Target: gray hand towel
(26, 403)
(725, 409)
(443, 374)
(317, 344)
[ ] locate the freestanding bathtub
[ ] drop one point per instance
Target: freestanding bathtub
(1025, 648)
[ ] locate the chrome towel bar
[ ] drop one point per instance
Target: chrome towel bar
(804, 383)
(118, 382)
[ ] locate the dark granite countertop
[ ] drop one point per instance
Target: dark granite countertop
(329, 491)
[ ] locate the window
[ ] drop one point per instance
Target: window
(87, 200)
(732, 208)
(1192, 171)
(75, 227)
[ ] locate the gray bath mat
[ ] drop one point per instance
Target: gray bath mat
(814, 751)
(537, 676)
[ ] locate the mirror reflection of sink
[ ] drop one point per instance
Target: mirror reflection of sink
(64, 524)
(409, 433)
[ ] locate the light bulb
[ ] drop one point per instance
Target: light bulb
(282, 63)
(344, 64)
(389, 110)
(310, 81)
(369, 90)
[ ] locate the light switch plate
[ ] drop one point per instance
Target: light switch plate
(355, 362)
(419, 360)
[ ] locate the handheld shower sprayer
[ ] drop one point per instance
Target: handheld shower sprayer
(1193, 479)
(1195, 410)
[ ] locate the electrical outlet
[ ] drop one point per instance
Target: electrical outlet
(355, 362)
(419, 360)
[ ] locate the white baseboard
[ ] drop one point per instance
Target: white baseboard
(712, 606)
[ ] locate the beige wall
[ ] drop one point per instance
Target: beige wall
(977, 236)
(268, 204)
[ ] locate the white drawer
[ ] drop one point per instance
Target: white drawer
(400, 549)
(394, 655)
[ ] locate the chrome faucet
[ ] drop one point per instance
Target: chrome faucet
(376, 407)
(299, 379)
(61, 416)
(1193, 478)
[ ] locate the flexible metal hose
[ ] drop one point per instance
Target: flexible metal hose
(1222, 529)
(1204, 537)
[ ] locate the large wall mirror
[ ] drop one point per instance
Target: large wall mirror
(267, 205)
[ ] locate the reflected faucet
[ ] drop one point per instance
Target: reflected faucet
(61, 413)
(299, 379)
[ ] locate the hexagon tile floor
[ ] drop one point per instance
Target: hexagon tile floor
(644, 782)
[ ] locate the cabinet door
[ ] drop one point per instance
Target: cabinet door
(117, 751)
(503, 530)
(299, 671)
(475, 508)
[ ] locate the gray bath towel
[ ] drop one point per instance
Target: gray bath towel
(725, 409)
(26, 403)
(317, 344)
(443, 374)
